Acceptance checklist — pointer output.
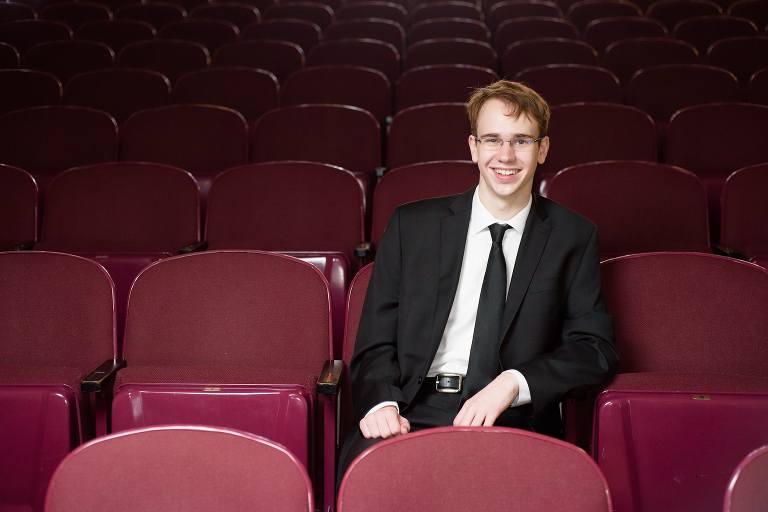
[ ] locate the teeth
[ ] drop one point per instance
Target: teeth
(505, 172)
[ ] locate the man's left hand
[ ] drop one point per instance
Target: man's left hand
(483, 408)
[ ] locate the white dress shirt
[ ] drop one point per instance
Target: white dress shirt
(453, 352)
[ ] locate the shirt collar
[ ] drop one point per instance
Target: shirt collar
(482, 218)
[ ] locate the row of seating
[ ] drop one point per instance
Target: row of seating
(251, 331)
(233, 471)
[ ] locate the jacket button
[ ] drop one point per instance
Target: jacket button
(419, 380)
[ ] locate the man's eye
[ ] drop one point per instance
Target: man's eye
(520, 142)
(491, 140)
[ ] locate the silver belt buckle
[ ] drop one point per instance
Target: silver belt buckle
(441, 389)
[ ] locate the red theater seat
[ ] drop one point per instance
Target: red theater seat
(571, 83)
(745, 213)
(450, 51)
(25, 88)
(116, 33)
(58, 323)
(625, 58)
(583, 12)
(548, 473)
(506, 10)
(157, 14)
(18, 208)
(532, 27)
(601, 33)
(172, 58)
(210, 33)
(670, 12)
(9, 56)
(462, 28)
(746, 492)
(368, 53)
(742, 56)
(280, 58)
(304, 33)
(23, 34)
(316, 12)
(442, 9)
(637, 206)
(181, 466)
(65, 59)
(443, 83)
(703, 31)
(239, 14)
(379, 29)
(544, 51)
(75, 14)
(373, 9)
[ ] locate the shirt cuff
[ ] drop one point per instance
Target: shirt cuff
(384, 404)
(524, 392)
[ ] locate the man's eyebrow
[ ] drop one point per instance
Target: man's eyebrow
(514, 135)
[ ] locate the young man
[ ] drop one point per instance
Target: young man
(434, 348)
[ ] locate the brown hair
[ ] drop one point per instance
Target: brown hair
(520, 98)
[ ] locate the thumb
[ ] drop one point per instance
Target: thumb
(405, 425)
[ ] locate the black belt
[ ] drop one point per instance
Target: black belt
(445, 383)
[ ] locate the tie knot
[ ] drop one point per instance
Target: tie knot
(497, 232)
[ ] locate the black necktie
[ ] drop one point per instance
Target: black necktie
(484, 356)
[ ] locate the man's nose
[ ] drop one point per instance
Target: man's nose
(505, 152)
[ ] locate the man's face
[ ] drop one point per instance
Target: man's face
(506, 174)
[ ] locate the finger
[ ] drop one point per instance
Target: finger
(489, 420)
(478, 419)
(405, 425)
(364, 428)
(460, 417)
(393, 424)
(374, 426)
(383, 426)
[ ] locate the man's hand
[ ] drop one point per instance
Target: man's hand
(386, 422)
(483, 408)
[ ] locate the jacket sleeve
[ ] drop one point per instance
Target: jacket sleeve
(374, 368)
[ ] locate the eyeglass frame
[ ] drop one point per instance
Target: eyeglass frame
(477, 141)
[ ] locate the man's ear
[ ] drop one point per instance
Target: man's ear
(473, 147)
(543, 149)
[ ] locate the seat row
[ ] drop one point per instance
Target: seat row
(230, 338)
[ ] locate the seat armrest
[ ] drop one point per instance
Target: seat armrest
(724, 250)
(98, 379)
(26, 246)
(380, 172)
(328, 382)
(193, 247)
(363, 251)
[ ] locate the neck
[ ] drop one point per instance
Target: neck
(504, 209)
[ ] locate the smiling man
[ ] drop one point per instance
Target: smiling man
(484, 308)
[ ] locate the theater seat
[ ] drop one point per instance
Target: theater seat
(745, 213)
(746, 492)
(181, 467)
(18, 208)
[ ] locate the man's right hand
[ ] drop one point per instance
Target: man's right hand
(385, 422)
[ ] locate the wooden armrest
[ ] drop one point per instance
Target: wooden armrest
(193, 247)
(26, 246)
(98, 379)
(328, 382)
(724, 250)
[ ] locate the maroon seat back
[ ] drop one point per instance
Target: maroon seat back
(252, 92)
(742, 125)
(121, 92)
(532, 27)
(172, 58)
(442, 9)
(551, 472)
(18, 207)
(304, 33)
(625, 58)
(745, 212)
(546, 50)
(157, 14)
(12, 11)
(448, 132)
(75, 14)
(210, 33)
(364, 88)
(572, 83)
(757, 89)
(119, 207)
(754, 10)
(57, 318)
(281, 58)
(379, 29)
(694, 84)
(583, 12)
(418, 181)
(742, 56)
(702, 31)
(48, 140)
(286, 206)
(601, 33)
(65, 59)
(116, 33)
(462, 28)
(201, 139)
(9, 57)
(590, 132)
(239, 14)
(187, 467)
(316, 12)
(24, 88)
(450, 51)
(327, 134)
(373, 9)
(368, 53)
(670, 12)
(439, 84)
(746, 492)
(637, 206)
(675, 312)
(23, 34)
(508, 9)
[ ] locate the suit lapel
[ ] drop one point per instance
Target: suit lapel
(532, 245)
(453, 239)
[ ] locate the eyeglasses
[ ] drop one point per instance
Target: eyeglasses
(518, 143)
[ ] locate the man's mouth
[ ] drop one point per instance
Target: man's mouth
(505, 172)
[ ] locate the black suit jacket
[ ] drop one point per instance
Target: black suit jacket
(555, 328)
